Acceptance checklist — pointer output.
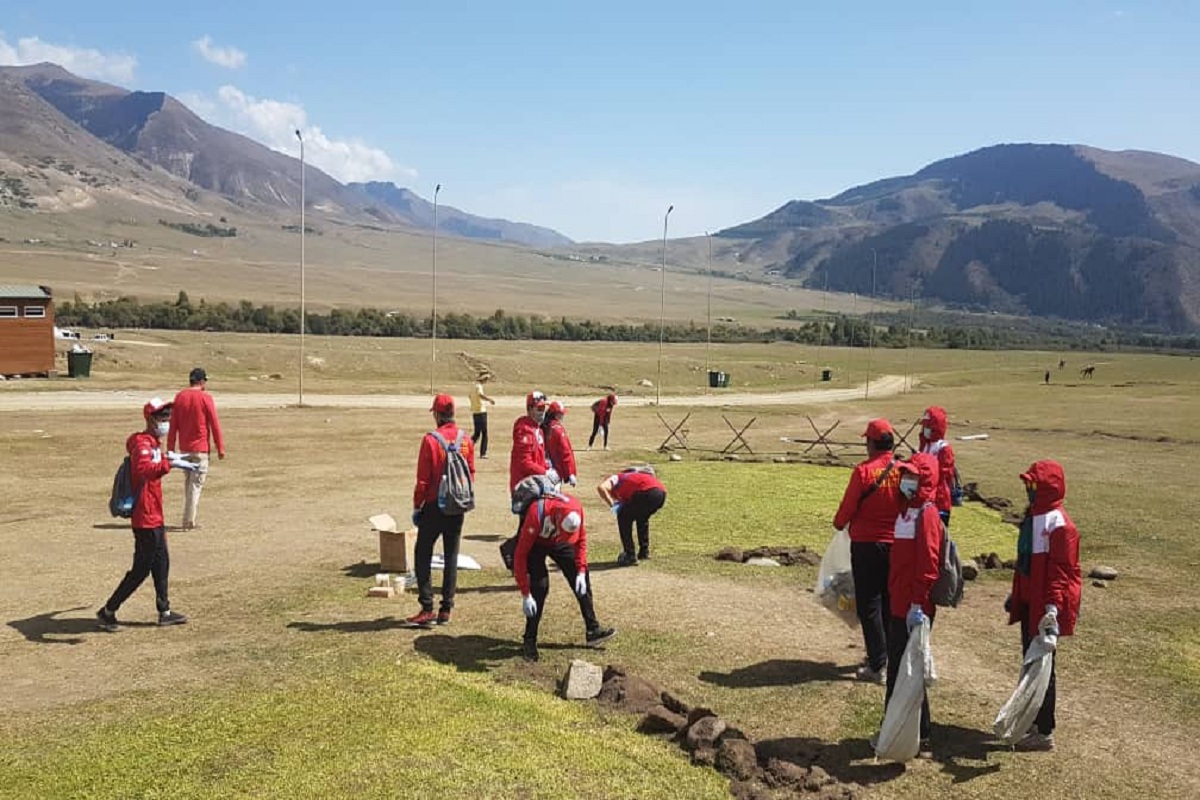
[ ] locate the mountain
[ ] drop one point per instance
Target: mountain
(153, 129)
(403, 205)
(1043, 229)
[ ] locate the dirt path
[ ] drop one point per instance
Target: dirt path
(18, 400)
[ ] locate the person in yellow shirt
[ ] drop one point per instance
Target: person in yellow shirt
(479, 415)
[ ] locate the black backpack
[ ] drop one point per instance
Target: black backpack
(456, 492)
(125, 496)
(948, 588)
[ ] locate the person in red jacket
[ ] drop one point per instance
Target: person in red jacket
(431, 522)
(193, 423)
(149, 464)
(558, 445)
(528, 457)
(601, 416)
(869, 506)
(553, 528)
(913, 568)
(933, 441)
(634, 495)
(1047, 583)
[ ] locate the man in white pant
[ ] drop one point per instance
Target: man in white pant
(193, 423)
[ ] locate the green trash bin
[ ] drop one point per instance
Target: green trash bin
(79, 365)
(714, 379)
(827, 375)
(725, 380)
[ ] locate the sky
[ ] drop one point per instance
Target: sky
(593, 118)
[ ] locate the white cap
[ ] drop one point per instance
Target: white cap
(571, 522)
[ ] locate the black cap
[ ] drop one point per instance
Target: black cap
(198, 374)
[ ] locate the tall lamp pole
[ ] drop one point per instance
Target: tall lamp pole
(708, 341)
(871, 324)
(303, 318)
(662, 307)
(433, 316)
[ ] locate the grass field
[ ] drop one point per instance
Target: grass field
(289, 681)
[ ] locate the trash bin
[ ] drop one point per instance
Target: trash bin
(79, 364)
(725, 380)
(714, 379)
(827, 375)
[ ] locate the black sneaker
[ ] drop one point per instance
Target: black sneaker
(600, 636)
(644, 554)
(108, 620)
(627, 560)
(171, 618)
(529, 651)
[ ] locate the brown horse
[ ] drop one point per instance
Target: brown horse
(1088, 371)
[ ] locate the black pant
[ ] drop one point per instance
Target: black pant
(539, 585)
(449, 527)
(639, 508)
(150, 557)
(1044, 721)
(869, 565)
(479, 436)
(897, 640)
(597, 426)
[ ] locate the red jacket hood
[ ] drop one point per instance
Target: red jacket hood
(927, 470)
(1050, 485)
(934, 419)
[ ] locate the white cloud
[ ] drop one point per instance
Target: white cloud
(85, 62)
(228, 57)
(274, 123)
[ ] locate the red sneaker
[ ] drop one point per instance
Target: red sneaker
(443, 618)
(423, 619)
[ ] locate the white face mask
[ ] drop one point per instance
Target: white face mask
(162, 428)
(908, 487)
(538, 416)
(927, 433)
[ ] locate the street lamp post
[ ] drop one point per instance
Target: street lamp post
(708, 341)
(303, 319)
(433, 316)
(871, 325)
(662, 307)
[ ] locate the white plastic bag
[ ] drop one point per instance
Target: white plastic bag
(835, 582)
(1018, 714)
(900, 734)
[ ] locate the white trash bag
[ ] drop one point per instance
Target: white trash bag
(835, 582)
(1018, 714)
(900, 734)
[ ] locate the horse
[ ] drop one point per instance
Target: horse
(1087, 371)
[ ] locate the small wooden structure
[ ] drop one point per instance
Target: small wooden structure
(26, 330)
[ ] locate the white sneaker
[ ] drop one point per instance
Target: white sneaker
(865, 673)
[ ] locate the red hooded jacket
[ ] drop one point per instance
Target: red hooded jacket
(1054, 576)
(541, 525)
(431, 463)
(528, 455)
(148, 466)
(936, 445)
(559, 450)
(917, 548)
(873, 519)
(604, 409)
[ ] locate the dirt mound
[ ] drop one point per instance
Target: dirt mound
(786, 556)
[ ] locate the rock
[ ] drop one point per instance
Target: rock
(785, 773)
(673, 703)
(582, 681)
(970, 571)
(761, 562)
(661, 719)
(1103, 573)
(730, 554)
(816, 779)
(991, 561)
(275, 376)
(647, 384)
(780, 459)
(737, 759)
(1100, 584)
(698, 713)
(704, 757)
(703, 733)
(732, 733)
(749, 790)
(675, 457)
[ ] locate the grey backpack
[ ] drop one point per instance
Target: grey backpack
(456, 492)
(948, 588)
(531, 488)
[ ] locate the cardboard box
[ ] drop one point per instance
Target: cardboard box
(396, 551)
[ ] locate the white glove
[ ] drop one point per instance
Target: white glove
(529, 606)
(571, 480)
(552, 476)
(1048, 626)
(581, 584)
(178, 462)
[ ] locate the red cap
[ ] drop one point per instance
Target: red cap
(877, 429)
(556, 408)
(535, 399)
(154, 406)
(443, 404)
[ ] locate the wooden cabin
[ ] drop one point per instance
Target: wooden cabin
(26, 330)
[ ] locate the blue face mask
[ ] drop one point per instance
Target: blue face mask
(908, 487)
(162, 428)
